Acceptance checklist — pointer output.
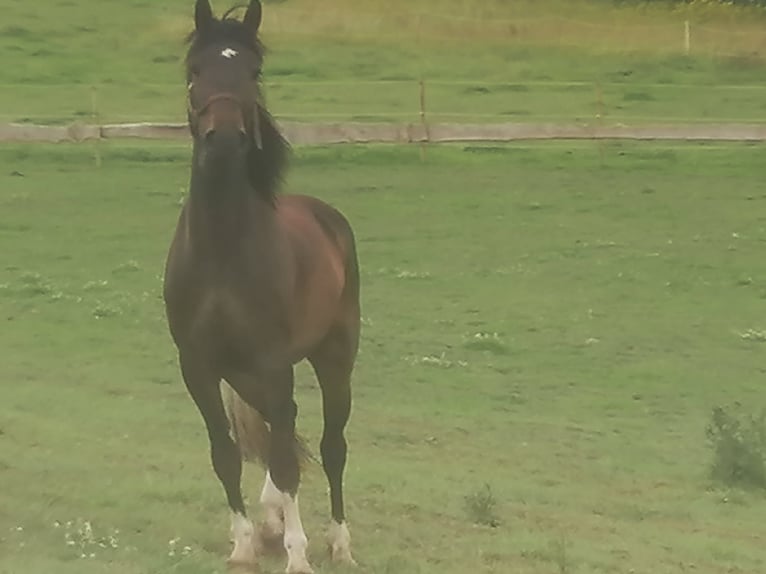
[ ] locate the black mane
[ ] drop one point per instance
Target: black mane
(266, 166)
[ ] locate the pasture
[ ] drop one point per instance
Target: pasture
(546, 327)
(559, 61)
(553, 321)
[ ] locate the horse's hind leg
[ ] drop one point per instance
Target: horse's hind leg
(333, 362)
(284, 468)
(246, 403)
(273, 527)
(203, 386)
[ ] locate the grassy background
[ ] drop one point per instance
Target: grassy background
(556, 321)
(481, 61)
(550, 320)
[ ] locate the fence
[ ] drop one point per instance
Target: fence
(407, 100)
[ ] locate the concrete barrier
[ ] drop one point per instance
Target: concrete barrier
(334, 133)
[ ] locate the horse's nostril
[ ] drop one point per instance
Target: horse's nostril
(209, 136)
(242, 137)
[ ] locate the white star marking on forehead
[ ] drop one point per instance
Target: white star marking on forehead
(229, 52)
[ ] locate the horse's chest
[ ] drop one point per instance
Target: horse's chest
(239, 328)
(221, 311)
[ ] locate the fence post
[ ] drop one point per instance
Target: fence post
(96, 120)
(687, 37)
(600, 113)
(422, 88)
(423, 120)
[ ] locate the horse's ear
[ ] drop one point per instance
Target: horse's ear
(253, 15)
(203, 15)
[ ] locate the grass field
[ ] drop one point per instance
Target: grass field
(553, 321)
(339, 60)
(546, 327)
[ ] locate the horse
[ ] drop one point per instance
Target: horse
(256, 281)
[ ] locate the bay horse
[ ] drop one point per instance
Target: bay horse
(256, 281)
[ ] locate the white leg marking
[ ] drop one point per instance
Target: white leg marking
(295, 538)
(242, 532)
(271, 500)
(339, 540)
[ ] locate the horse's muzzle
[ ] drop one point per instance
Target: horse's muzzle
(227, 138)
(222, 146)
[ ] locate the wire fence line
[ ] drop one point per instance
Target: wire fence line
(402, 99)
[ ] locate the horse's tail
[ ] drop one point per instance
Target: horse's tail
(251, 433)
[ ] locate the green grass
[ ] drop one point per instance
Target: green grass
(111, 61)
(612, 288)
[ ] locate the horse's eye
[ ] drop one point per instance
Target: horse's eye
(194, 70)
(256, 73)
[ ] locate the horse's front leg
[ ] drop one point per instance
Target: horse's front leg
(203, 385)
(284, 467)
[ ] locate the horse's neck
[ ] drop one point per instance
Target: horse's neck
(224, 216)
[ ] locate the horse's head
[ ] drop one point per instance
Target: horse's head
(223, 66)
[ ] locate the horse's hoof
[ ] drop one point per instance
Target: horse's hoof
(342, 556)
(304, 568)
(240, 566)
(339, 544)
